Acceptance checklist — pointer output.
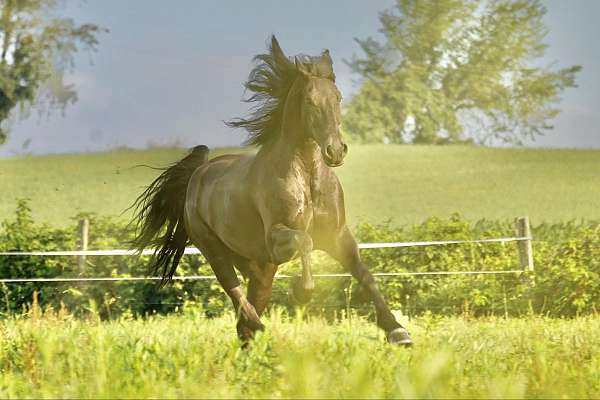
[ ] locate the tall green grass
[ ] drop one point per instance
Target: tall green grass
(404, 183)
(54, 355)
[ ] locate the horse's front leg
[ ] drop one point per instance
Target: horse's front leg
(286, 243)
(345, 250)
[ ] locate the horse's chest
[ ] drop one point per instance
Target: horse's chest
(309, 204)
(301, 205)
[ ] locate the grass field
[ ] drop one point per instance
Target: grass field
(406, 184)
(56, 356)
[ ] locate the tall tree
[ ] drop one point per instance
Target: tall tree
(450, 70)
(37, 48)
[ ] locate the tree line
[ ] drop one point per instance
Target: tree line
(447, 71)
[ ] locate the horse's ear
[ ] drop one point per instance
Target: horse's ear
(301, 67)
(326, 65)
(275, 47)
(327, 57)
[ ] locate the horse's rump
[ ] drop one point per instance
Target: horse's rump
(159, 213)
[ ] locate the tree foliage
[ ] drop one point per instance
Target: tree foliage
(37, 48)
(455, 69)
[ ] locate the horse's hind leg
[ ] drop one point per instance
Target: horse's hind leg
(345, 250)
(260, 285)
(220, 258)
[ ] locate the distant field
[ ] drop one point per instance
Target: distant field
(406, 184)
(193, 357)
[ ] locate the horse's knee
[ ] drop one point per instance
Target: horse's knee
(283, 252)
(287, 244)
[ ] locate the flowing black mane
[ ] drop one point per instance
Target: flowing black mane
(270, 82)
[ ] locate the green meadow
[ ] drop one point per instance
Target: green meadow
(53, 355)
(404, 184)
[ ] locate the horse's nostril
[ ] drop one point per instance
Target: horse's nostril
(329, 151)
(345, 148)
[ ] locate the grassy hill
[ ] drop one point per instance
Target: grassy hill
(406, 184)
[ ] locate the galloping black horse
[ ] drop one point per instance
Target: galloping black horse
(255, 212)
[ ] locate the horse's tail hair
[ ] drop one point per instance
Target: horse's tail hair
(159, 214)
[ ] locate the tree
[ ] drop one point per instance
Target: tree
(36, 50)
(450, 70)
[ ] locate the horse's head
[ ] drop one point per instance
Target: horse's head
(296, 96)
(320, 111)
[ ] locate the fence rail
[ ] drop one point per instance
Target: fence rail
(277, 276)
(193, 250)
(522, 238)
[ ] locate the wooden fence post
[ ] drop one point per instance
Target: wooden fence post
(83, 230)
(522, 229)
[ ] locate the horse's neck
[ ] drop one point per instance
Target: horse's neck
(289, 155)
(292, 154)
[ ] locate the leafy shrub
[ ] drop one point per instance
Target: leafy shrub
(23, 234)
(566, 280)
(110, 298)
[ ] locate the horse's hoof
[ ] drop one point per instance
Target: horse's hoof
(399, 336)
(297, 294)
(246, 331)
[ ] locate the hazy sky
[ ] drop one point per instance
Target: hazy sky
(171, 72)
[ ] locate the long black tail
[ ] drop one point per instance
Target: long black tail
(158, 217)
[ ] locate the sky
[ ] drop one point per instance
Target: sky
(170, 73)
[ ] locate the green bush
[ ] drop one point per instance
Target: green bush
(111, 299)
(566, 281)
(23, 234)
